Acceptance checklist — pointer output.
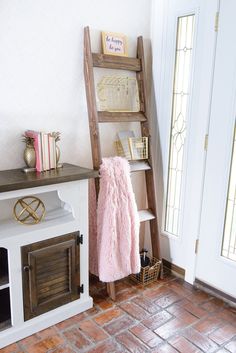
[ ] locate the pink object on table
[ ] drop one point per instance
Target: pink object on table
(114, 254)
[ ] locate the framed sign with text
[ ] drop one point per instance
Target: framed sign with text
(114, 44)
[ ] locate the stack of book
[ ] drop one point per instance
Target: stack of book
(45, 149)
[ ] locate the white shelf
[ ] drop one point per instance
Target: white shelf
(136, 166)
(3, 286)
(145, 215)
(10, 227)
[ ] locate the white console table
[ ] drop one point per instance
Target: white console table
(27, 296)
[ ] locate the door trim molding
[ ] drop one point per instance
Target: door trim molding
(172, 267)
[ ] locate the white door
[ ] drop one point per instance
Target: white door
(183, 37)
(216, 260)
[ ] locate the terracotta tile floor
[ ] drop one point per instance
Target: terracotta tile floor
(166, 317)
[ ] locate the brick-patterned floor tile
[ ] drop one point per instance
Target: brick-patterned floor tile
(12, 348)
(195, 310)
(179, 289)
(177, 307)
(119, 325)
(92, 331)
(223, 334)
(45, 345)
(181, 313)
(213, 305)
(147, 336)
(140, 321)
(64, 349)
(71, 321)
(106, 347)
(131, 343)
(106, 304)
(188, 318)
(165, 348)
(157, 320)
(47, 332)
(28, 341)
(168, 299)
(146, 304)
(156, 293)
(134, 310)
(102, 301)
(122, 285)
(93, 311)
(74, 336)
(208, 325)
(126, 295)
(202, 342)
(170, 328)
(199, 297)
(231, 346)
(98, 297)
(108, 315)
(183, 345)
(226, 315)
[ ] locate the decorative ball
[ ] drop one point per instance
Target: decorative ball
(29, 210)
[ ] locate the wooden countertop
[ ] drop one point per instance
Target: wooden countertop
(15, 179)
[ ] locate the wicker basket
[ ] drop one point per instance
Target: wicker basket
(137, 148)
(149, 273)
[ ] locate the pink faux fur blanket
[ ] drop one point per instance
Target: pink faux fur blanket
(114, 250)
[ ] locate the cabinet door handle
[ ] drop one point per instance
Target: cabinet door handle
(27, 268)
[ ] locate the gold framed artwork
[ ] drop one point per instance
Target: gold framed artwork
(114, 44)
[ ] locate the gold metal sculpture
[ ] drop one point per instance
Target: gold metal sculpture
(29, 210)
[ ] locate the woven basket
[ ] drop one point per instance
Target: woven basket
(137, 148)
(149, 273)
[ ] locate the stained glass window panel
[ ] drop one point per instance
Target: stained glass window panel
(229, 238)
(183, 58)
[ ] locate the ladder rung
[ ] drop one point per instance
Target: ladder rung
(116, 117)
(116, 62)
(136, 166)
(145, 215)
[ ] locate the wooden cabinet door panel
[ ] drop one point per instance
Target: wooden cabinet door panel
(50, 274)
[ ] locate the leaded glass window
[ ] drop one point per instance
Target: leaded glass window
(229, 238)
(183, 58)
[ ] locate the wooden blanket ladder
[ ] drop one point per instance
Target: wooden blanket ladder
(96, 117)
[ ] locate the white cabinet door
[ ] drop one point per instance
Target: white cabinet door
(216, 260)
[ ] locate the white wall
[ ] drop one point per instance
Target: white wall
(41, 69)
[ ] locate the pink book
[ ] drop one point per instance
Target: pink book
(37, 146)
(44, 138)
(49, 152)
(52, 149)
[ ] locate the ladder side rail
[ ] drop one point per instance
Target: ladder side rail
(91, 100)
(141, 78)
(93, 120)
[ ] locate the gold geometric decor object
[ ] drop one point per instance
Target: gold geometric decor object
(29, 210)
